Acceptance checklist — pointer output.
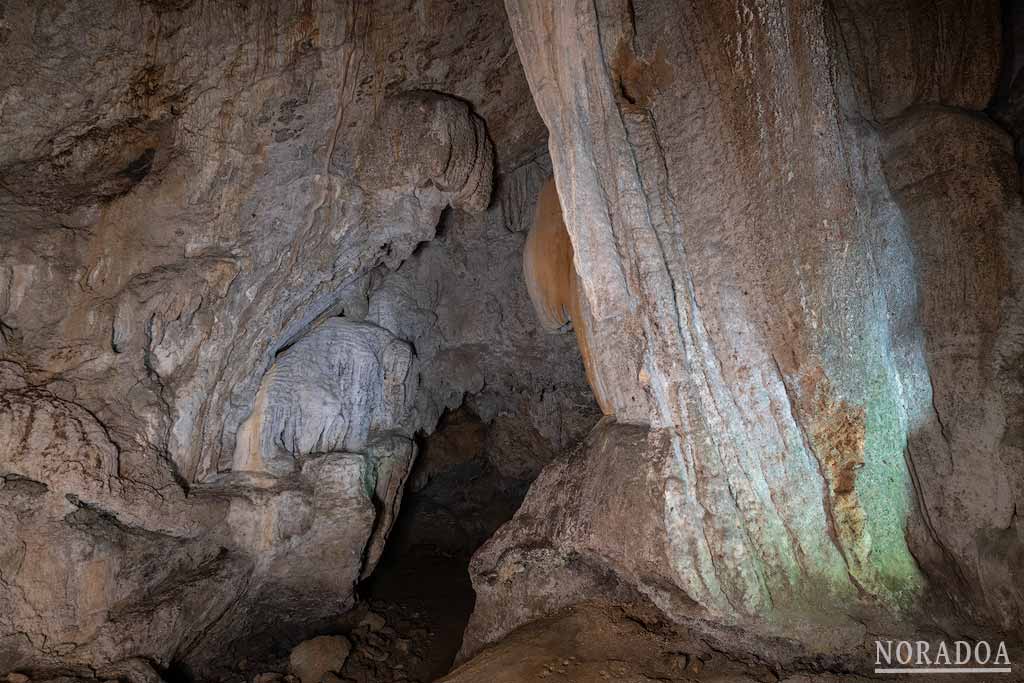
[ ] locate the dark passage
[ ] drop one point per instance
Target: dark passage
(469, 478)
(415, 606)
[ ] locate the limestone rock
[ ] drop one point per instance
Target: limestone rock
(333, 390)
(953, 176)
(181, 213)
(459, 440)
(313, 658)
(373, 621)
(517, 450)
(270, 677)
(760, 266)
(116, 545)
(554, 285)
(547, 263)
(902, 54)
(133, 670)
(423, 137)
(462, 302)
(253, 250)
(595, 642)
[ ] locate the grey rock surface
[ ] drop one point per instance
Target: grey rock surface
(461, 301)
(340, 385)
(197, 202)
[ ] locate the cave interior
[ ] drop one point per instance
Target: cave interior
(494, 341)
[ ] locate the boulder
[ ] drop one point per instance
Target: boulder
(312, 659)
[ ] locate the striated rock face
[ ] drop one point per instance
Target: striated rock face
(798, 241)
(335, 389)
(422, 137)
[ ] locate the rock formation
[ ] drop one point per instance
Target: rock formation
(554, 285)
(341, 385)
(798, 240)
(209, 389)
(267, 268)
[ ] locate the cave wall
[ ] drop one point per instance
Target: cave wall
(226, 314)
(211, 380)
(798, 236)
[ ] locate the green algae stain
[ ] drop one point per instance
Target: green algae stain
(886, 492)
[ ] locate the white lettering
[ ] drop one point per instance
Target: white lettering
(919, 655)
(963, 652)
(883, 649)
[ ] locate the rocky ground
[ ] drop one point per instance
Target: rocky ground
(416, 613)
(594, 643)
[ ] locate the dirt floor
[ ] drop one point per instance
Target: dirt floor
(410, 623)
(594, 643)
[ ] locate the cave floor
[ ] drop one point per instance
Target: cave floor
(407, 626)
(413, 612)
(593, 643)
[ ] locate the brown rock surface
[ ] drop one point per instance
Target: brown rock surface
(312, 659)
(593, 642)
(814, 319)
